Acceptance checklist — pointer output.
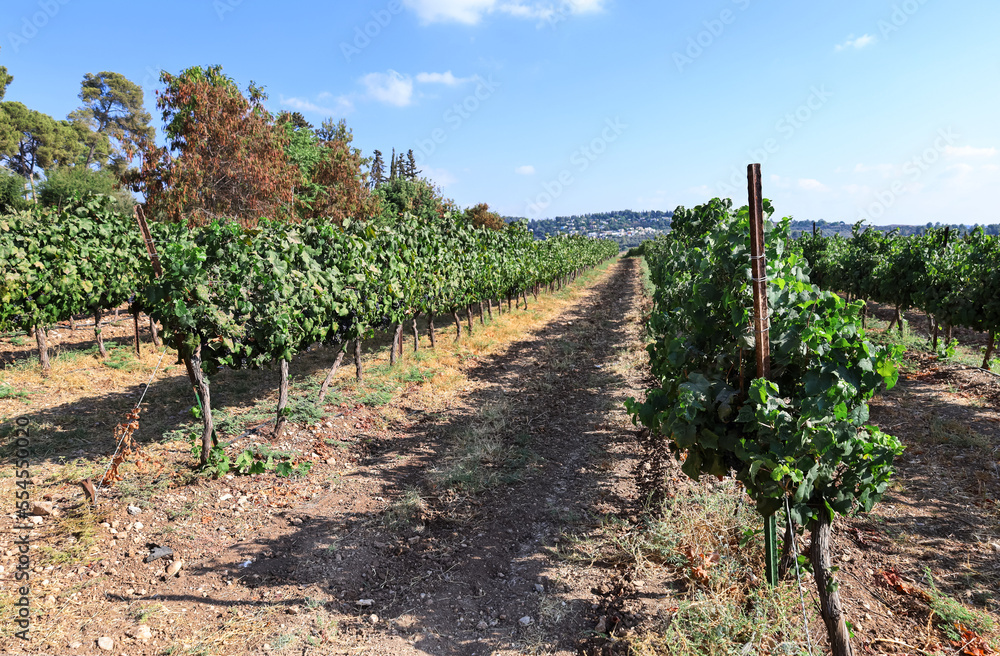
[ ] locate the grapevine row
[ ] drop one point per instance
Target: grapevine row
(245, 298)
(954, 278)
(801, 437)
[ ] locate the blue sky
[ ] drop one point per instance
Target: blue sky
(882, 110)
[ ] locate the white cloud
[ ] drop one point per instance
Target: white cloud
(440, 177)
(780, 182)
(446, 78)
(887, 170)
(527, 169)
(810, 184)
(392, 88)
(701, 191)
(461, 11)
(969, 152)
(857, 44)
(342, 105)
(471, 12)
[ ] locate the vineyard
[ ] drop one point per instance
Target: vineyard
(952, 277)
(484, 490)
(237, 297)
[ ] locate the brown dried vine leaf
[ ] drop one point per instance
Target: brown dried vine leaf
(126, 448)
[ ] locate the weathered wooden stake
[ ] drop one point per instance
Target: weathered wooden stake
(358, 371)
(281, 419)
(135, 321)
(761, 327)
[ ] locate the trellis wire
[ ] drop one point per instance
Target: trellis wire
(798, 576)
(138, 403)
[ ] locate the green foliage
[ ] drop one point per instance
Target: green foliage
(249, 461)
(58, 263)
(804, 432)
(11, 192)
(946, 351)
(67, 186)
(113, 108)
(33, 141)
(952, 276)
(5, 80)
(399, 196)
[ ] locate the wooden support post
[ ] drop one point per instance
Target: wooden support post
(761, 328)
(358, 370)
(43, 349)
(135, 322)
(758, 268)
(281, 419)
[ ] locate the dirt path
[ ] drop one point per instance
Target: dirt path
(463, 574)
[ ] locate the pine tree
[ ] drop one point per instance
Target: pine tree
(378, 170)
(393, 166)
(411, 166)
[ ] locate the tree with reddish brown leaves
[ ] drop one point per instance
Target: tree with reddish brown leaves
(224, 157)
(341, 178)
(480, 215)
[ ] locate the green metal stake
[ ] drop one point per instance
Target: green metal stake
(771, 549)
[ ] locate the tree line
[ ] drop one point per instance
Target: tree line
(224, 156)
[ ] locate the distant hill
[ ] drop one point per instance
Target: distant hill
(630, 228)
(844, 229)
(627, 227)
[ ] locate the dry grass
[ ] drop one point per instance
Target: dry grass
(75, 375)
(480, 455)
(706, 538)
(406, 511)
(956, 433)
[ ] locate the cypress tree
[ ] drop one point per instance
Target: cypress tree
(411, 165)
(378, 170)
